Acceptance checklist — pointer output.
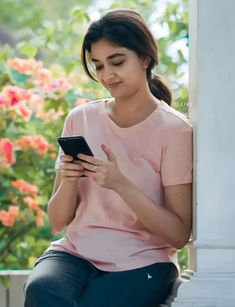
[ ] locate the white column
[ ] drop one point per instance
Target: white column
(211, 281)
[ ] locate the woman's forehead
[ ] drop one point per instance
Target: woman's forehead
(106, 49)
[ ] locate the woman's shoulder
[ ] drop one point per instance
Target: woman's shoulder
(173, 118)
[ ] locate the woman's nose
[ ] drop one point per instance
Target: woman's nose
(108, 76)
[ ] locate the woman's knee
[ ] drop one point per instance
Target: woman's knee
(35, 286)
(44, 291)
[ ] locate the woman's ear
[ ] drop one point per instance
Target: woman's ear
(145, 62)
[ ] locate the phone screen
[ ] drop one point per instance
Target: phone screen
(73, 145)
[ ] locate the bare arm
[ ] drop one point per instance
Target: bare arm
(173, 221)
(64, 201)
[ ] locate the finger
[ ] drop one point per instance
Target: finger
(66, 158)
(72, 166)
(69, 173)
(110, 155)
(77, 162)
(90, 159)
(90, 174)
(89, 166)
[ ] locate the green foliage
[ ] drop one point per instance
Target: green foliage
(53, 31)
(183, 259)
(15, 14)
(58, 35)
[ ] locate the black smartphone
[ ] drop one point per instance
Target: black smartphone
(73, 145)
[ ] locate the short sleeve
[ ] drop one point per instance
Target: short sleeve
(67, 131)
(177, 158)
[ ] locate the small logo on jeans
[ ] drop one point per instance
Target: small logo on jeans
(149, 276)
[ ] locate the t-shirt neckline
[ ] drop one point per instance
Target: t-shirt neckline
(133, 127)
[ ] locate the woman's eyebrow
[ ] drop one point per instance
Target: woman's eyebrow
(112, 56)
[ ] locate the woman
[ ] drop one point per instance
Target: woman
(127, 210)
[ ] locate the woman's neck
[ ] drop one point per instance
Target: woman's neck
(130, 111)
(135, 104)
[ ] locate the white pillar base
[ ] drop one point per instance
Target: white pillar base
(205, 290)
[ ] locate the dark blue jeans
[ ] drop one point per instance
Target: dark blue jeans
(60, 279)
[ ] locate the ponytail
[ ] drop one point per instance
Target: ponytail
(160, 89)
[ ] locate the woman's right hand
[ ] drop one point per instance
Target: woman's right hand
(69, 170)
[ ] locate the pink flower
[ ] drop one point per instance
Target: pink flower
(25, 143)
(60, 84)
(14, 211)
(11, 96)
(25, 66)
(23, 111)
(24, 187)
(41, 144)
(50, 115)
(3, 100)
(38, 142)
(59, 87)
(39, 219)
(14, 98)
(43, 78)
(8, 218)
(31, 202)
(7, 157)
(36, 102)
(15, 95)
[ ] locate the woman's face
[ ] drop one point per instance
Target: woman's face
(119, 69)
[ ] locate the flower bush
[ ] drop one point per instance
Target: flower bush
(34, 101)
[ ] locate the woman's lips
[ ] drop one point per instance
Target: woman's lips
(113, 85)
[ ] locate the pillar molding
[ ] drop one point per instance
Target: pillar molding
(210, 280)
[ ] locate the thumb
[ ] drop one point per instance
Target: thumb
(110, 155)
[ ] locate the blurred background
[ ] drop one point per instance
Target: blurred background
(41, 79)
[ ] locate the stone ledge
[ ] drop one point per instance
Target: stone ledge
(13, 296)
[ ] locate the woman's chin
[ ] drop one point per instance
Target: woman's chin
(114, 95)
(117, 95)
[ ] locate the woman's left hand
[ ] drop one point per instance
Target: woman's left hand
(105, 173)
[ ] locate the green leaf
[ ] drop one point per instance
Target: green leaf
(71, 96)
(79, 14)
(68, 63)
(5, 280)
(27, 49)
(6, 52)
(19, 78)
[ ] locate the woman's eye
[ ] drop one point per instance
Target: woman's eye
(114, 64)
(118, 64)
(98, 67)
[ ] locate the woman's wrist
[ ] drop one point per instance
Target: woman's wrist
(123, 185)
(69, 184)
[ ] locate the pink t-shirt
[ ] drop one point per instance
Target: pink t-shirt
(154, 153)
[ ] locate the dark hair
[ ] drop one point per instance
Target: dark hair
(127, 28)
